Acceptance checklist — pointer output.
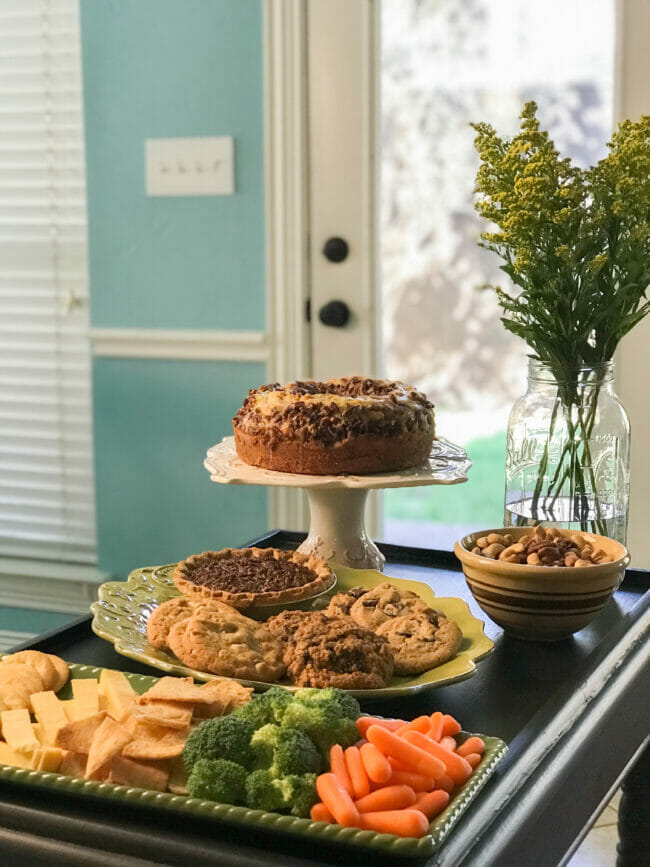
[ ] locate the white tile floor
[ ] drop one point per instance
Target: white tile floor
(598, 849)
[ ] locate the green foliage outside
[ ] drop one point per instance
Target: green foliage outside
(478, 501)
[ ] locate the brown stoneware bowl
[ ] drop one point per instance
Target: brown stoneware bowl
(541, 603)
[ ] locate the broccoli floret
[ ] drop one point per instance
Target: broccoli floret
(323, 722)
(277, 700)
(218, 780)
(257, 712)
(263, 744)
(303, 794)
(264, 792)
(294, 753)
(225, 737)
(347, 704)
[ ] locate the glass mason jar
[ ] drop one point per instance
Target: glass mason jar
(568, 453)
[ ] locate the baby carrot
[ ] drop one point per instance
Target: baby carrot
(454, 766)
(388, 798)
(397, 766)
(450, 726)
(364, 723)
(413, 756)
(356, 772)
(337, 800)
(339, 768)
(432, 803)
(404, 823)
(471, 745)
(320, 813)
(448, 743)
(473, 759)
(436, 726)
(419, 724)
(415, 781)
(375, 763)
(445, 782)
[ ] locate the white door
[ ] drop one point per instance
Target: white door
(392, 87)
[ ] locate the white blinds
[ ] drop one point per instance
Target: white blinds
(46, 477)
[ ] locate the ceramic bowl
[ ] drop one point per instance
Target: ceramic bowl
(541, 603)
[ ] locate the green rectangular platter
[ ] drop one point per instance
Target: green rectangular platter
(439, 830)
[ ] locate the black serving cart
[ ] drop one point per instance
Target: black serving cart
(574, 713)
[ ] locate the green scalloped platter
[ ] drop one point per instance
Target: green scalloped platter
(439, 829)
(123, 607)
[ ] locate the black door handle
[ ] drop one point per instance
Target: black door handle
(336, 249)
(335, 314)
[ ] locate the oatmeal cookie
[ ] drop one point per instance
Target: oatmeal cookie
(341, 603)
(421, 640)
(284, 624)
(233, 646)
(385, 602)
(336, 651)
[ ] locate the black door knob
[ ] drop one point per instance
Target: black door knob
(336, 249)
(335, 314)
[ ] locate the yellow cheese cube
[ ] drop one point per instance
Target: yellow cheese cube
(118, 693)
(70, 709)
(49, 712)
(86, 695)
(11, 757)
(17, 731)
(47, 759)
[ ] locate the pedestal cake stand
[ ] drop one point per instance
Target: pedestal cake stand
(337, 503)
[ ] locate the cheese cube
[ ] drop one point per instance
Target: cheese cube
(118, 693)
(17, 731)
(86, 695)
(49, 712)
(11, 757)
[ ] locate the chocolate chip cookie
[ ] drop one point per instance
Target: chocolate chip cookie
(421, 640)
(233, 646)
(336, 651)
(341, 603)
(385, 602)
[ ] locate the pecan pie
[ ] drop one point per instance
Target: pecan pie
(348, 425)
(243, 577)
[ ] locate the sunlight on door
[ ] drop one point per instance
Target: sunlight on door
(443, 65)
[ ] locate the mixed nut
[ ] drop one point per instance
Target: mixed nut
(541, 547)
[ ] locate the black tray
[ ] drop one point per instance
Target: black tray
(574, 713)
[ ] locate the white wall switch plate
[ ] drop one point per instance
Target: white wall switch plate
(190, 166)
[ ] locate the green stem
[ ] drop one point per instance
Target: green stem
(539, 484)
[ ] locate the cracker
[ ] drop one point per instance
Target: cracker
(142, 775)
(78, 736)
(182, 689)
(173, 714)
(227, 695)
(108, 741)
(150, 741)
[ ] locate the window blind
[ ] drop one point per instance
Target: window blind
(46, 462)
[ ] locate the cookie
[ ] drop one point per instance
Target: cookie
(384, 602)
(231, 646)
(336, 651)
(41, 662)
(283, 625)
(421, 641)
(341, 603)
(166, 615)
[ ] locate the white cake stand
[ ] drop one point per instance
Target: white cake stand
(337, 503)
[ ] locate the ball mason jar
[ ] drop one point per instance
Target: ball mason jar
(568, 453)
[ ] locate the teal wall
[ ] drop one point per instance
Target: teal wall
(166, 69)
(158, 69)
(153, 423)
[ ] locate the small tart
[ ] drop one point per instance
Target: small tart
(243, 577)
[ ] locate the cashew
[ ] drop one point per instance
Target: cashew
(512, 554)
(579, 563)
(476, 550)
(497, 539)
(493, 550)
(533, 560)
(525, 539)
